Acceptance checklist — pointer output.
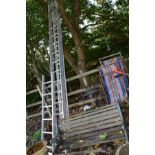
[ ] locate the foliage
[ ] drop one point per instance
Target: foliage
(102, 26)
(103, 136)
(36, 136)
(91, 153)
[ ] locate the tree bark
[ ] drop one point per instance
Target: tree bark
(80, 67)
(76, 13)
(71, 61)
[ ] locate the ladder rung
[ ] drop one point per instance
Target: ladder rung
(56, 71)
(56, 43)
(45, 132)
(56, 48)
(54, 83)
(55, 53)
(47, 119)
(54, 19)
(57, 91)
(52, 5)
(55, 34)
(47, 106)
(57, 81)
(55, 61)
(47, 82)
(54, 12)
(58, 102)
(58, 114)
(53, 27)
(50, 106)
(47, 94)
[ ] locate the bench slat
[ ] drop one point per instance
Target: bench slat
(94, 141)
(91, 112)
(89, 117)
(74, 133)
(96, 125)
(111, 131)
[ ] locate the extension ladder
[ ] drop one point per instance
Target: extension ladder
(58, 106)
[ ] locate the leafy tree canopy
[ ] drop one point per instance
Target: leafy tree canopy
(102, 27)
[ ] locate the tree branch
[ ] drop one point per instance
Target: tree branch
(76, 12)
(75, 35)
(34, 65)
(69, 24)
(92, 24)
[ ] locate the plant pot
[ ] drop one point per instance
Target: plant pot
(37, 149)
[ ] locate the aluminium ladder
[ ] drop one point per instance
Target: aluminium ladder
(58, 92)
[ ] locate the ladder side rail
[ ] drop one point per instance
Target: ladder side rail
(52, 74)
(61, 108)
(45, 103)
(65, 90)
(58, 46)
(57, 59)
(42, 121)
(63, 77)
(51, 41)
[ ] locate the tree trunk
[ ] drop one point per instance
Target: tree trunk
(73, 27)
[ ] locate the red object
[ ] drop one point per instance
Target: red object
(116, 69)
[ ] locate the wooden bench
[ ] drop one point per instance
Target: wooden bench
(84, 130)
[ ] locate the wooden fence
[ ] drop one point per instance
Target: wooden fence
(86, 101)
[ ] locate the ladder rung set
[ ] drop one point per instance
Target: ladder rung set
(59, 103)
